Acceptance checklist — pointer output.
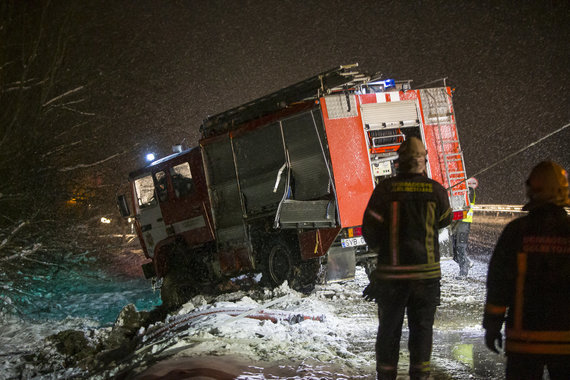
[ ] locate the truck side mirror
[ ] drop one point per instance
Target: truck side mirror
(123, 206)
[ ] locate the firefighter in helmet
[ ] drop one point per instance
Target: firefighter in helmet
(401, 223)
(529, 281)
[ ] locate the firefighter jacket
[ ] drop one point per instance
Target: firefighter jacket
(529, 280)
(401, 223)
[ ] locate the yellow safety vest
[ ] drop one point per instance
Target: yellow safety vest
(469, 217)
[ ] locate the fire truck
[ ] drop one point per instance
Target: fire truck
(278, 185)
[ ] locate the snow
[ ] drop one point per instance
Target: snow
(327, 334)
(322, 339)
(200, 329)
(267, 334)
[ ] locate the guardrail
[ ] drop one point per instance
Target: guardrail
(504, 208)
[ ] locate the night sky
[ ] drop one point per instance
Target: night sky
(156, 69)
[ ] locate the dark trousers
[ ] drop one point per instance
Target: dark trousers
(531, 367)
(420, 299)
(460, 241)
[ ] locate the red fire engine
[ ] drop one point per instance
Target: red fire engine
(279, 185)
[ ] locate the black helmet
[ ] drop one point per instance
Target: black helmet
(410, 149)
(411, 156)
(548, 183)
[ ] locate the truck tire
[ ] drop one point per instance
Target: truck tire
(170, 292)
(176, 291)
(281, 263)
(181, 282)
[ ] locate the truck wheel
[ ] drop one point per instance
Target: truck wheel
(184, 274)
(280, 263)
(176, 291)
(170, 293)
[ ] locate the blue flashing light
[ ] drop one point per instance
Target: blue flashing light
(150, 157)
(388, 83)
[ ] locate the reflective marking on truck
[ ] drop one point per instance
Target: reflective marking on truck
(190, 224)
(394, 96)
(383, 97)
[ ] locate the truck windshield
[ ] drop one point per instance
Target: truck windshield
(182, 180)
(144, 188)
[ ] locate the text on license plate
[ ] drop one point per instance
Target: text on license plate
(352, 242)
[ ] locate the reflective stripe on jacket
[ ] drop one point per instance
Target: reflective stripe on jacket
(401, 223)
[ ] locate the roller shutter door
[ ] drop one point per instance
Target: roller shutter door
(378, 115)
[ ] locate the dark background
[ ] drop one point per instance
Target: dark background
(150, 71)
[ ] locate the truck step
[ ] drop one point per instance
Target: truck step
(319, 213)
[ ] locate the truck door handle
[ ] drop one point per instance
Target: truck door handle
(278, 179)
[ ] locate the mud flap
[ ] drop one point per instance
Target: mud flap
(341, 264)
(148, 270)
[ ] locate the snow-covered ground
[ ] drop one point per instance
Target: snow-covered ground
(267, 334)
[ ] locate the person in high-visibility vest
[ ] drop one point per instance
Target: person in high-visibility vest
(461, 238)
(529, 282)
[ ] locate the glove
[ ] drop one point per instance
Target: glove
(493, 339)
(371, 292)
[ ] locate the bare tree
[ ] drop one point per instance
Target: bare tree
(47, 175)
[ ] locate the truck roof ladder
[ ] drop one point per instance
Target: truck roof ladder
(311, 88)
(440, 113)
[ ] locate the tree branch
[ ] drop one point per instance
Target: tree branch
(14, 232)
(60, 148)
(23, 253)
(78, 112)
(30, 83)
(63, 95)
(79, 166)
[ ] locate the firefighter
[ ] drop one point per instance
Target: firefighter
(401, 224)
(460, 240)
(529, 281)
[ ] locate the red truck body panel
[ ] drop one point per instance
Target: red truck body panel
(350, 159)
(351, 166)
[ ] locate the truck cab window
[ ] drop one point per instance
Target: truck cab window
(144, 188)
(161, 186)
(182, 180)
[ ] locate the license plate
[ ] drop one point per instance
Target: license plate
(352, 242)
